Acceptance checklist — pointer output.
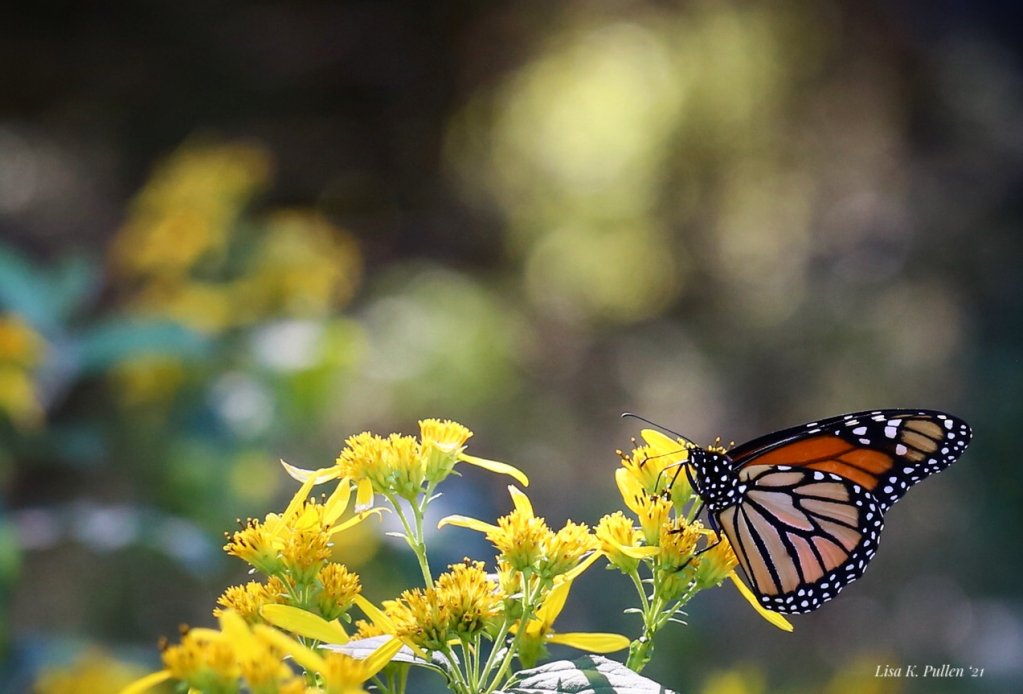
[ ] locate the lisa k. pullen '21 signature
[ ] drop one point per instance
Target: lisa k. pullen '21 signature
(945, 670)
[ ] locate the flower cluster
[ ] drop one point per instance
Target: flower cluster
(682, 556)
(174, 249)
(467, 624)
(462, 604)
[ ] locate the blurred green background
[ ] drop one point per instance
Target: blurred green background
(234, 232)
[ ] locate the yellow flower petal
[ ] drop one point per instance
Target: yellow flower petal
(382, 656)
(634, 552)
(304, 623)
(364, 495)
(356, 519)
(385, 624)
(583, 565)
(466, 522)
(772, 617)
(662, 443)
(337, 502)
(554, 603)
(520, 500)
(306, 657)
(494, 466)
(375, 614)
(296, 502)
(594, 643)
(319, 476)
(237, 632)
(206, 634)
(147, 682)
(630, 489)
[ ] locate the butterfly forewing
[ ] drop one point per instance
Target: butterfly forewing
(801, 535)
(885, 451)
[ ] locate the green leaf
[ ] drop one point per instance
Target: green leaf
(113, 342)
(25, 291)
(591, 674)
(74, 285)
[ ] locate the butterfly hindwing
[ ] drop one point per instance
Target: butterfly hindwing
(885, 451)
(800, 535)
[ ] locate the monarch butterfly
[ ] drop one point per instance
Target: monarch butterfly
(803, 507)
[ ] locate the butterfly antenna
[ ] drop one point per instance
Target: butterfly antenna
(654, 424)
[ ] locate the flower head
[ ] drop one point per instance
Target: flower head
(249, 599)
(462, 603)
(566, 549)
(387, 465)
(621, 542)
(295, 543)
(653, 510)
(716, 563)
(337, 590)
(526, 543)
(659, 466)
(442, 443)
(471, 598)
(677, 561)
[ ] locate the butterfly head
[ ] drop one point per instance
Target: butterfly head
(715, 479)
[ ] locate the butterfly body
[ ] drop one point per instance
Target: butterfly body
(803, 508)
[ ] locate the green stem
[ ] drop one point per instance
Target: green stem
(527, 613)
(414, 537)
(502, 634)
(402, 679)
(455, 675)
(638, 582)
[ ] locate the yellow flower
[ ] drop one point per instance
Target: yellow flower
(520, 537)
(419, 617)
(653, 511)
(391, 465)
(461, 604)
(716, 563)
(296, 542)
(249, 599)
(676, 563)
(185, 212)
(621, 542)
(239, 658)
(444, 445)
(442, 441)
(471, 598)
(338, 588)
(20, 345)
(659, 463)
(94, 671)
(337, 672)
(539, 631)
(567, 548)
(365, 629)
(303, 267)
(526, 543)
(255, 544)
(22, 349)
(401, 464)
(204, 661)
